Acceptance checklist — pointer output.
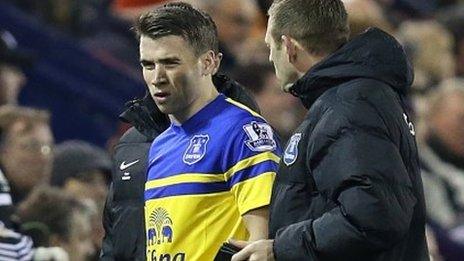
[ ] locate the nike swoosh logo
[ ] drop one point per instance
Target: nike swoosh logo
(125, 166)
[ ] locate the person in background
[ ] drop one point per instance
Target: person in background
(441, 147)
(363, 14)
(452, 18)
(430, 67)
(233, 19)
(12, 60)
(84, 171)
(15, 246)
(284, 112)
(26, 154)
(54, 218)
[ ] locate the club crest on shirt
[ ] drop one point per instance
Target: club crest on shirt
(261, 137)
(196, 149)
(291, 152)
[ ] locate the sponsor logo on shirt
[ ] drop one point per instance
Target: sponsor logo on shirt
(159, 227)
(161, 231)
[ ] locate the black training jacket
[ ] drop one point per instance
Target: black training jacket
(349, 186)
(123, 217)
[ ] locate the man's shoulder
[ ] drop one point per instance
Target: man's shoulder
(359, 96)
(360, 103)
(236, 111)
(234, 117)
(362, 89)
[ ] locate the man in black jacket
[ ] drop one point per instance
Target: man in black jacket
(348, 186)
(123, 214)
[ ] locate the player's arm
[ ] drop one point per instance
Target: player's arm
(256, 222)
(256, 155)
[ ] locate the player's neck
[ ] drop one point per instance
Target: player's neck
(208, 95)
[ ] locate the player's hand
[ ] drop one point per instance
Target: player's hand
(260, 250)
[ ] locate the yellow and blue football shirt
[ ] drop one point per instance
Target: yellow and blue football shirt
(203, 176)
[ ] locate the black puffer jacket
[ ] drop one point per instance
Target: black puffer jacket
(123, 214)
(349, 186)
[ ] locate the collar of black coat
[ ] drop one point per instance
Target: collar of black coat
(373, 54)
(145, 116)
(234, 90)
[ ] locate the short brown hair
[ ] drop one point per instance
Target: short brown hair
(180, 19)
(10, 114)
(320, 25)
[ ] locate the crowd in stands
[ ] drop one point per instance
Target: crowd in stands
(52, 195)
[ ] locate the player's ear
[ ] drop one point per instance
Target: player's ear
(218, 59)
(290, 48)
(209, 63)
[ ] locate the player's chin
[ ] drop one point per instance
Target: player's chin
(164, 108)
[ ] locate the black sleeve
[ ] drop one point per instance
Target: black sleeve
(363, 174)
(107, 253)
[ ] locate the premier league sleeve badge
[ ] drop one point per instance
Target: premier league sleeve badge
(260, 137)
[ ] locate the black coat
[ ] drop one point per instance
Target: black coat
(123, 217)
(349, 186)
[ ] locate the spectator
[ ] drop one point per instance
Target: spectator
(12, 77)
(453, 19)
(363, 14)
(14, 246)
(442, 154)
(284, 112)
(430, 48)
(56, 219)
(442, 165)
(26, 148)
(84, 170)
(233, 19)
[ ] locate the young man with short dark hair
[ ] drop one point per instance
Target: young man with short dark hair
(124, 209)
(210, 173)
(348, 186)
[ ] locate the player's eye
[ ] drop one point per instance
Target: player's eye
(147, 65)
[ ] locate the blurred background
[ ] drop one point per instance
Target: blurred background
(67, 67)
